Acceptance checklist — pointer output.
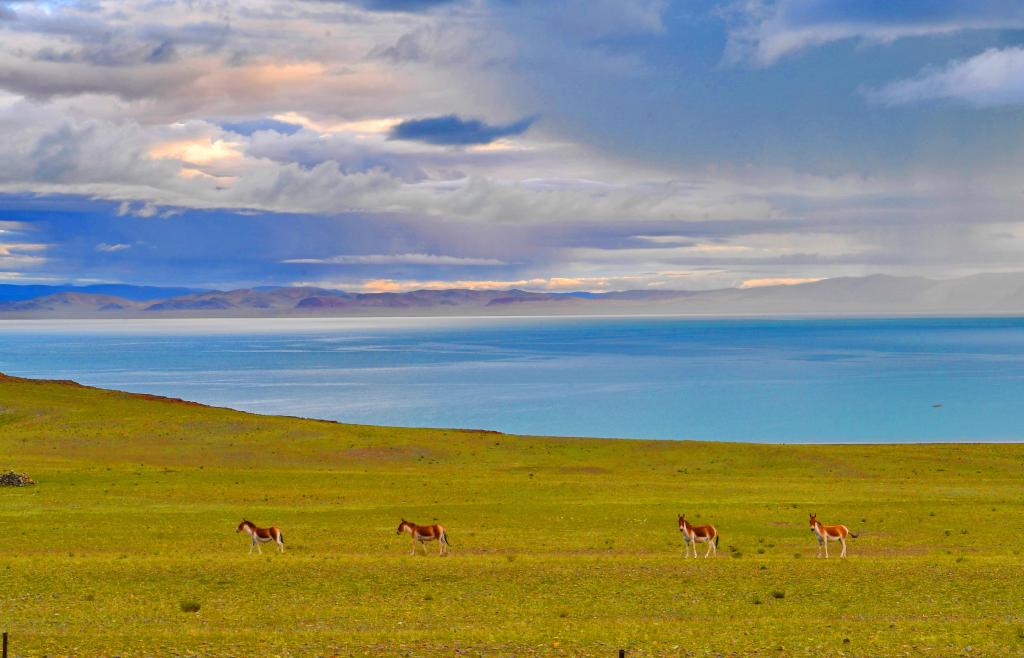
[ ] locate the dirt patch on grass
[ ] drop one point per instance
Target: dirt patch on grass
(12, 479)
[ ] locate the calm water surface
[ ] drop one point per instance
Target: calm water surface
(751, 380)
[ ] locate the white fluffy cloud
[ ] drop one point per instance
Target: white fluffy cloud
(764, 31)
(992, 78)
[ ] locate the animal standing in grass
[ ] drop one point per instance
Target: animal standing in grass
(262, 535)
(698, 534)
(421, 534)
(827, 533)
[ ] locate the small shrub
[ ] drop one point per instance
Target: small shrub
(756, 600)
(778, 594)
(563, 614)
(797, 555)
(760, 551)
(190, 606)
(947, 532)
(428, 597)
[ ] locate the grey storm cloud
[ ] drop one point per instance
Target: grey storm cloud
(451, 130)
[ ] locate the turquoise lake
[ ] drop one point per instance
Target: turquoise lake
(864, 380)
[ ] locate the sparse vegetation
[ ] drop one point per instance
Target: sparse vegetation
(137, 503)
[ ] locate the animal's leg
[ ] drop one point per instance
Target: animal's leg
(826, 547)
(413, 546)
(843, 554)
(819, 547)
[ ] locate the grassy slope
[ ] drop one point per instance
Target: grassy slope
(561, 546)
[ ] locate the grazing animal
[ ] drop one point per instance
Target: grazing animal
(698, 534)
(827, 533)
(262, 535)
(421, 534)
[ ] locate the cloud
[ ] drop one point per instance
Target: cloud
(778, 281)
(295, 130)
(763, 32)
(397, 259)
(551, 284)
(989, 79)
(106, 248)
(451, 130)
(402, 5)
(194, 164)
(144, 210)
(18, 255)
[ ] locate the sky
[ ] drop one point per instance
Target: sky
(387, 145)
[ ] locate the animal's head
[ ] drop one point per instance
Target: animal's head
(813, 521)
(241, 526)
(401, 527)
(682, 522)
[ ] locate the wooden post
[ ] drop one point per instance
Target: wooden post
(5, 644)
(622, 653)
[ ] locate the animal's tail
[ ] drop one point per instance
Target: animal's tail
(854, 534)
(280, 536)
(716, 540)
(444, 537)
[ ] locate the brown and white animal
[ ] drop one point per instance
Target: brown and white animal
(827, 533)
(698, 534)
(421, 534)
(262, 535)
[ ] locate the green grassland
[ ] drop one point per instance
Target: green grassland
(559, 546)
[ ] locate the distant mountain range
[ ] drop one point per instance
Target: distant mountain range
(984, 294)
